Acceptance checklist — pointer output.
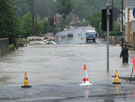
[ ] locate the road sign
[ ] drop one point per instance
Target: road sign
(133, 62)
(134, 12)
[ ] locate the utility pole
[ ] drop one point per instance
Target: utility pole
(35, 14)
(33, 24)
(112, 14)
(108, 41)
(54, 18)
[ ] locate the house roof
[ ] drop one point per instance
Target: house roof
(58, 15)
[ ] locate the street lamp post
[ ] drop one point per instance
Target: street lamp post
(122, 24)
(108, 41)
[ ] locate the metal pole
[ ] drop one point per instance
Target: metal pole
(33, 24)
(54, 25)
(131, 74)
(108, 15)
(122, 24)
(112, 14)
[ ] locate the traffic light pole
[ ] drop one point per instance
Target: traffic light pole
(108, 41)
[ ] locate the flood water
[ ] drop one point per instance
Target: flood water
(55, 72)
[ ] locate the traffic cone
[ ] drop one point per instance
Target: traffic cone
(116, 80)
(85, 79)
(26, 83)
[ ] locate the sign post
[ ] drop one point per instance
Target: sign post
(108, 19)
(134, 12)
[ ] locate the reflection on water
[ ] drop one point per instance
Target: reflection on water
(26, 95)
(133, 95)
(109, 99)
(117, 89)
(86, 93)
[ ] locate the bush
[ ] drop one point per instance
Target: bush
(11, 46)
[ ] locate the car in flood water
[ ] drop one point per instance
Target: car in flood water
(70, 36)
(91, 35)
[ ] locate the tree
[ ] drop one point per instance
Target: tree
(46, 26)
(95, 20)
(41, 26)
(116, 29)
(66, 6)
(9, 24)
(26, 25)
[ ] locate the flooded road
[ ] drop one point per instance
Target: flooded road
(60, 64)
(55, 72)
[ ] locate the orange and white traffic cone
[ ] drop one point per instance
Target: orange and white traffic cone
(26, 82)
(85, 79)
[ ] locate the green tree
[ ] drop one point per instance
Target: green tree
(26, 25)
(66, 6)
(116, 29)
(41, 26)
(9, 24)
(46, 26)
(23, 6)
(95, 20)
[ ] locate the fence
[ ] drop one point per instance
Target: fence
(4, 43)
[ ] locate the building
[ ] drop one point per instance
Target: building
(74, 17)
(129, 22)
(57, 18)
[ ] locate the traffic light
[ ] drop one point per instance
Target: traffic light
(104, 20)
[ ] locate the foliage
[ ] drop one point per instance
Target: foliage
(66, 6)
(82, 23)
(116, 29)
(41, 26)
(46, 26)
(38, 25)
(23, 6)
(66, 21)
(95, 20)
(26, 25)
(11, 46)
(9, 24)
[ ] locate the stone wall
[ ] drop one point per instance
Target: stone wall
(4, 46)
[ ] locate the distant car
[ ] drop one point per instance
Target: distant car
(70, 36)
(91, 35)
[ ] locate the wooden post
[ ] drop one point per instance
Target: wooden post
(128, 25)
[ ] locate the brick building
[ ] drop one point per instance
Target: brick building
(129, 22)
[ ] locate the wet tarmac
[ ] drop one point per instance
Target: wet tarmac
(55, 72)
